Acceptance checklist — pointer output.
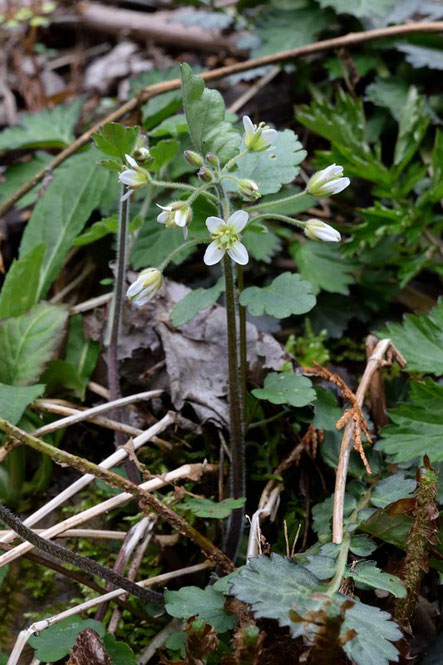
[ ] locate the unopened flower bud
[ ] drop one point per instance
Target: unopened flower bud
(327, 182)
(178, 213)
(145, 286)
(204, 174)
(212, 159)
(193, 158)
(318, 230)
(248, 189)
(134, 178)
(143, 155)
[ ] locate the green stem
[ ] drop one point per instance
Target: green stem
(237, 474)
(286, 199)
(177, 250)
(202, 190)
(228, 166)
(180, 185)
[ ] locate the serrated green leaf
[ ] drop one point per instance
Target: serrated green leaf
(392, 489)
(417, 426)
(51, 128)
(262, 247)
(420, 340)
(390, 93)
(280, 30)
(375, 633)
(322, 264)
(362, 545)
(163, 153)
(287, 294)
(205, 115)
(16, 176)
(422, 56)
(272, 168)
(207, 603)
(327, 413)
(369, 575)
(286, 388)
(413, 124)
(28, 342)
(15, 399)
(19, 291)
(55, 642)
(61, 214)
(174, 126)
(116, 140)
(119, 652)
(212, 509)
(361, 8)
(195, 302)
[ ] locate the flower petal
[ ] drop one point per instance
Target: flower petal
(214, 224)
(162, 217)
(126, 196)
(131, 161)
(269, 135)
(129, 177)
(180, 217)
(238, 220)
(338, 185)
(185, 232)
(168, 208)
(248, 125)
(213, 254)
(239, 253)
(135, 288)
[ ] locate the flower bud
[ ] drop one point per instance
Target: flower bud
(145, 286)
(327, 182)
(193, 158)
(213, 160)
(143, 155)
(318, 230)
(248, 189)
(204, 174)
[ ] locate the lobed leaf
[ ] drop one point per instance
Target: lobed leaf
(196, 301)
(286, 388)
(55, 642)
(287, 294)
(207, 603)
(116, 140)
(323, 266)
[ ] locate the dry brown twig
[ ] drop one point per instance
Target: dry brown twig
(153, 90)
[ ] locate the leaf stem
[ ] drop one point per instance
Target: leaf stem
(177, 250)
(286, 199)
(180, 185)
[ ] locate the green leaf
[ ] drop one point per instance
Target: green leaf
(116, 140)
(3, 572)
(29, 341)
(390, 93)
(375, 633)
(163, 152)
(420, 340)
(81, 352)
(362, 545)
(212, 509)
(361, 8)
(422, 56)
(287, 294)
(15, 399)
(161, 106)
(327, 413)
(286, 388)
(196, 301)
(205, 115)
(323, 266)
(417, 426)
(261, 246)
(16, 176)
(63, 211)
(60, 376)
(280, 30)
(119, 652)
(413, 124)
(55, 642)
(175, 126)
(272, 168)
(51, 128)
(103, 228)
(369, 575)
(19, 291)
(392, 489)
(207, 603)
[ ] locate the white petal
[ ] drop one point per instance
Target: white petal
(185, 232)
(162, 217)
(269, 135)
(128, 177)
(213, 254)
(180, 217)
(143, 298)
(328, 235)
(168, 208)
(239, 219)
(131, 161)
(135, 287)
(214, 224)
(239, 253)
(248, 125)
(338, 185)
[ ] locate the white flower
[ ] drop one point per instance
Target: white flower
(257, 137)
(226, 238)
(134, 178)
(176, 214)
(328, 181)
(318, 230)
(145, 286)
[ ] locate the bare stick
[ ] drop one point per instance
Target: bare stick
(107, 423)
(38, 626)
(63, 554)
(151, 91)
(158, 641)
(374, 363)
(113, 460)
(92, 303)
(101, 408)
(94, 534)
(268, 510)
